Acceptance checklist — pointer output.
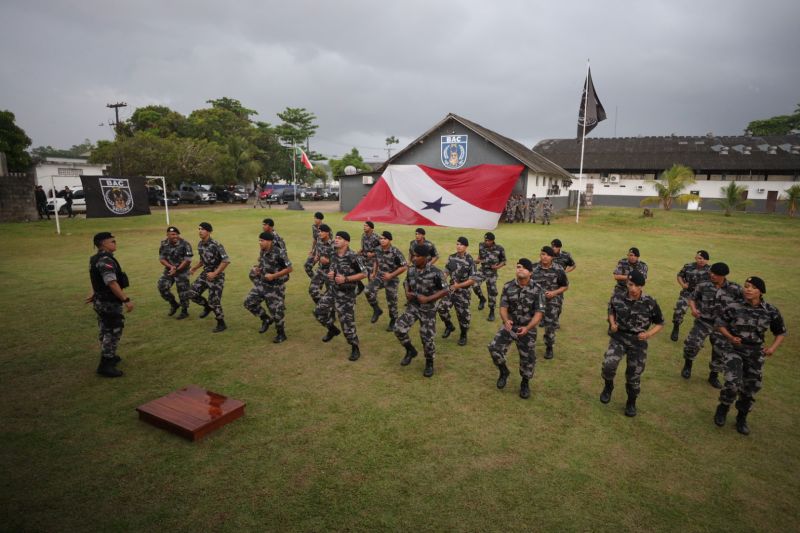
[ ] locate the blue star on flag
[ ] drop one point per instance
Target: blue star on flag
(436, 205)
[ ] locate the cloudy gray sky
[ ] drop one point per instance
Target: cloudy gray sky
(370, 69)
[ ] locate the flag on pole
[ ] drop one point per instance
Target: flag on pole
(303, 158)
(115, 197)
(591, 110)
(417, 195)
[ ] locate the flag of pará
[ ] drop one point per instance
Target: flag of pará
(107, 196)
(417, 195)
(304, 158)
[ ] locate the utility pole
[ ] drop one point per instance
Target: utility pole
(116, 130)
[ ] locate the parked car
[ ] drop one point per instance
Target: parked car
(197, 194)
(230, 196)
(330, 194)
(155, 196)
(78, 202)
(306, 193)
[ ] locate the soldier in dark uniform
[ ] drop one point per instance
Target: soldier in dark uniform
(424, 285)
(744, 323)
(553, 280)
(268, 226)
(633, 318)
(308, 266)
(706, 303)
(547, 210)
(271, 274)
(521, 309)
(175, 254)
(389, 264)
(68, 197)
(625, 266)
(419, 238)
(491, 258)
(346, 269)
(107, 297)
(461, 273)
(213, 261)
(688, 278)
(322, 258)
(41, 203)
(562, 258)
(370, 242)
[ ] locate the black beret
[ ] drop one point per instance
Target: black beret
(556, 243)
(463, 240)
(422, 250)
(173, 229)
(637, 278)
(100, 237)
(325, 227)
(344, 235)
(420, 230)
(489, 236)
(268, 222)
(206, 226)
(703, 254)
(634, 251)
(266, 236)
(758, 283)
(549, 251)
(319, 215)
(387, 234)
(526, 264)
(370, 223)
(720, 269)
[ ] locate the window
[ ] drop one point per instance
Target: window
(70, 171)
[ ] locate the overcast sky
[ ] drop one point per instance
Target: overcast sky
(371, 69)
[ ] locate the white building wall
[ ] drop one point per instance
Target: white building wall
(65, 172)
(756, 190)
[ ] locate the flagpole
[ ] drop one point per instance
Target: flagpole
(583, 141)
(55, 204)
(166, 200)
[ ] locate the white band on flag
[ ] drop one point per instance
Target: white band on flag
(409, 184)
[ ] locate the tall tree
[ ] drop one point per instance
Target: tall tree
(733, 198)
(669, 187)
(778, 125)
(296, 129)
(158, 120)
(14, 143)
(353, 158)
(792, 198)
(389, 142)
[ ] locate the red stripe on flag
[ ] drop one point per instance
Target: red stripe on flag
(380, 206)
(484, 186)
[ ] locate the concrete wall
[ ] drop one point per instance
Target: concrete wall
(17, 200)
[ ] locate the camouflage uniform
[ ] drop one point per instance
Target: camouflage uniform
(625, 268)
(547, 210)
(426, 282)
(341, 298)
(212, 254)
(522, 304)
(426, 242)
(533, 203)
(388, 261)
(277, 242)
(522, 206)
(488, 258)
(693, 276)
(709, 301)
(272, 292)
(320, 277)
(458, 270)
(369, 244)
(308, 266)
(103, 269)
(633, 317)
(550, 279)
(175, 255)
(564, 259)
(744, 363)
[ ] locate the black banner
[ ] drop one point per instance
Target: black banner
(107, 196)
(591, 110)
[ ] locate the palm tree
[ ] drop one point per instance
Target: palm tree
(669, 187)
(792, 198)
(733, 198)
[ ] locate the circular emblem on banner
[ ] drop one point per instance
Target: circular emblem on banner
(117, 195)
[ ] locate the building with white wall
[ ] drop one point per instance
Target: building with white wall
(66, 171)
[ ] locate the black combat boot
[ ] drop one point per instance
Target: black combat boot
(411, 353)
(106, 368)
(713, 379)
(355, 353)
(221, 326)
(390, 327)
(116, 359)
(605, 396)
(281, 336)
(184, 314)
(376, 313)
(548, 353)
(462, 340)
(265, 322)
(428, 372)
(675, 332)
(722, 412)
(173, 307)
(448, 329)
(332, 332)
(206, 311)
(630, 405)
(686, 373)
(524, 389)
(490, 318)
(503, 379)
(481, 302)
(743, 407)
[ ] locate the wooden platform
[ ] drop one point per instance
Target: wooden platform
(191, 412)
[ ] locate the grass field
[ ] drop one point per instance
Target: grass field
(327, 444)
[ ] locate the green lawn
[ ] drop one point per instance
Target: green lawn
(327, 444)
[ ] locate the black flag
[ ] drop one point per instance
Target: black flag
(591, 109)
(115, 197)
